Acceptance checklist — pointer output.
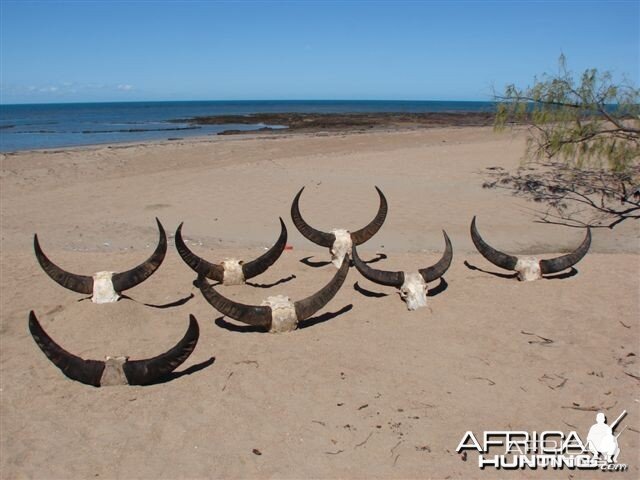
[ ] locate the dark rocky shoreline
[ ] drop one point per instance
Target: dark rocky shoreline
(344, 122)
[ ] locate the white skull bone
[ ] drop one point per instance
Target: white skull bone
(341, 246)
(528, 269)
(414, 291)
(233, 274)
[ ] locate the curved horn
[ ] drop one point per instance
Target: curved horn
(260, 264)
(197, 264)
(88, 372)
(129, 279)
(360, 236)
(310, 305)
(382, 277)
(259, 316)
(558, 264)
(144, 372)
(77, 283)
(496, 257)
(436, 271)
(316, 236)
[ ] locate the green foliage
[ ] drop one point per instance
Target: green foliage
(591, 122)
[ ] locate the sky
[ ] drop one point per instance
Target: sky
(83, 51)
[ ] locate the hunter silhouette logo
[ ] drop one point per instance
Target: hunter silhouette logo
(601, 441)
(549, 449)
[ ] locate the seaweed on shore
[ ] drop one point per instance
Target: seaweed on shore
(310, 122)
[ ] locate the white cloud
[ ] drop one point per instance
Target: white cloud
(66, 88)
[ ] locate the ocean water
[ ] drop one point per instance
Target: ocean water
(41, 126)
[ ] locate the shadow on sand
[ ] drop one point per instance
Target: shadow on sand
(269, 285)
(497, 274)
(309, 263)
(187, 371)
(309, 322)
(557, 276)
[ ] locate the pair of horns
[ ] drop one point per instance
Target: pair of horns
(396, 279)
(508, 262)
(260, 316)
(137, 372)
(121, 281)
(216, 271)
(326, 239)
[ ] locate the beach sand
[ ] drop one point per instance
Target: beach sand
(367, 389)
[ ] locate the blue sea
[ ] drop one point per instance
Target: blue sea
(43, 126)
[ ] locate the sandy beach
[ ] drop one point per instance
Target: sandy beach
(367, 389)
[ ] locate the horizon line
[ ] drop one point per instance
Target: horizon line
(244, 101)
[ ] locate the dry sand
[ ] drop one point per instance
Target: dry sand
(368, 389)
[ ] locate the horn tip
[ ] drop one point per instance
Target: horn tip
(283, 226)
(193, 323)
(34, 323)
(447, 240)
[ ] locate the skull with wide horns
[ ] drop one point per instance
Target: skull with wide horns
(529, 268)
(277, 314)
(339, 241)
(105, 287)
(412, 285)
(115, 370)
(232, 271)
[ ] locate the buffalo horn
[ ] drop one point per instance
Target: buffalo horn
(264, 261)
(554, 265)
(129, 279)
(382, 277)
(138, 372)
(360, 236)
(496, 257)
(88, 372)
(316, 236)
(436, 271)
(310, 305)
(259, 316)
(77, 283)
(144, 372)
(197, 264)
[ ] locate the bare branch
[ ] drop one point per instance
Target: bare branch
(572, 196)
